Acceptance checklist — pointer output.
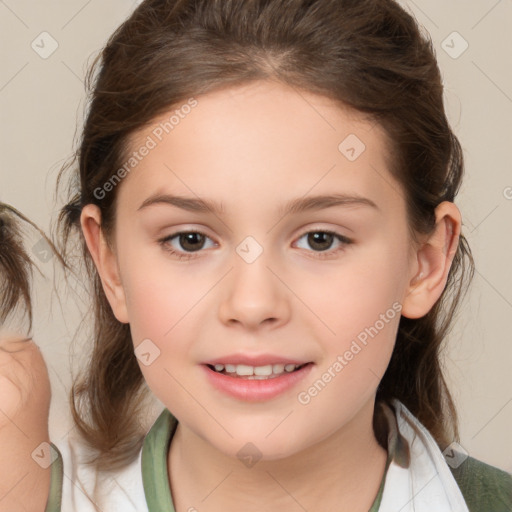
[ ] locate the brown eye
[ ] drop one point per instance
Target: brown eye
(184, 244)
(191, 241)
(321, 241)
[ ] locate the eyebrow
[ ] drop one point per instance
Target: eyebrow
(299, 205)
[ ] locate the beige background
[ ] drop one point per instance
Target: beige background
(42, 99)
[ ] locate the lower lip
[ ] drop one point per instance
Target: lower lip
(253, 390)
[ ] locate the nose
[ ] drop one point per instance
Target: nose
(254, 295)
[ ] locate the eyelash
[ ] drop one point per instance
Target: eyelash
(320, 254)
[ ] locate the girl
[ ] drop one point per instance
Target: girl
(303, 147)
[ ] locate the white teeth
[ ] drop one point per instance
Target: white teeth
(243, 369)
(256, 372)
(278, 368)
(263, 370)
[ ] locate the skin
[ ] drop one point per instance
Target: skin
(253, 148)
(24, 410)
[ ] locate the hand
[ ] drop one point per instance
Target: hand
(24, 409)
(24, 384)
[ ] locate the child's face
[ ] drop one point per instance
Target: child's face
(258, 284)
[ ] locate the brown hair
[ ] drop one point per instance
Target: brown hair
(16, 266)
(369, 55)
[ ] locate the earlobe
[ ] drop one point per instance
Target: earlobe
(434, 259)
(105, 260)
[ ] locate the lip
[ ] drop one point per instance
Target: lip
(255, 390)
(254, 360)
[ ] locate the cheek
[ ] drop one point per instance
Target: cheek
(151, 310)
(158, 293)
(161, 304)
(353, 295)
(355, 358)
(358, 305)
(157, 318)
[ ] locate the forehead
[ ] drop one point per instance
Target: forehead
(257, 144)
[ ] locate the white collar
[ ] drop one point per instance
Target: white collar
(418, 478)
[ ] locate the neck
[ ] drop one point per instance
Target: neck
(342, 472)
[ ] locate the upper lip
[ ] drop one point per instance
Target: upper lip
(254, 360)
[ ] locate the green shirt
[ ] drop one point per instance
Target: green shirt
(485, 488)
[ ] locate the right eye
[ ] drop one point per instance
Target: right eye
(190, 241)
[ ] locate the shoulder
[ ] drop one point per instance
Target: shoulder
(86, 489)
(484, 487)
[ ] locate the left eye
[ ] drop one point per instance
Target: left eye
(322, 240)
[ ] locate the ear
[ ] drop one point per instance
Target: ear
(105, 260)
(434, 258)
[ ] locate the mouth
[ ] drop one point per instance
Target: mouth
(247, 372)
(256, 383)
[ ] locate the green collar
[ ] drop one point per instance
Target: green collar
(55, 495)
(155, 476)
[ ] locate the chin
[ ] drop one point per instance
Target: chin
(250, 449)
